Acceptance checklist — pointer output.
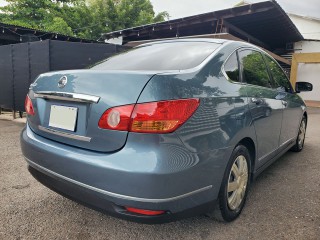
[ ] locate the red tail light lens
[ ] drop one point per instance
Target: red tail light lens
(153, 117)
(144, 212)
(162, 117)
(28, 106)
(117, 118)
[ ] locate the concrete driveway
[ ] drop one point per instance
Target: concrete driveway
(284, 202)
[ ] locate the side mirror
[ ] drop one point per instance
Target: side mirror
(303, 87)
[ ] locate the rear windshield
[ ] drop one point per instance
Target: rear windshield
(160, 56)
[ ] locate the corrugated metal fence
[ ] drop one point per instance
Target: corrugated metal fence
(21, 63)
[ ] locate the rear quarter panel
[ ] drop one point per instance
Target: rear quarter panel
(223, 117)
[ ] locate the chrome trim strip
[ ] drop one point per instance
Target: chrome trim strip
(282, 144)
(74, 97)
(63, 134)
(288, 141)
(111, 194)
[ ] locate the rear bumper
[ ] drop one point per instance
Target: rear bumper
(129, 177)
(97, 201)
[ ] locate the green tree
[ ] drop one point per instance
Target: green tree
(58, 25)
(112, 15)
(28, 12)
(81, 18)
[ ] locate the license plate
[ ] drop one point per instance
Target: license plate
(63, 117)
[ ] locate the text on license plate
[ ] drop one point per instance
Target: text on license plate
(63, 117)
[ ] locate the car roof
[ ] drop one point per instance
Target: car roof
(210, 40)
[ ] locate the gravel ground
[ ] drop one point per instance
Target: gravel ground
(284, 203)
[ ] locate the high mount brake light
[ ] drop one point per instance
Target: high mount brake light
(153, 117)
(29, 106)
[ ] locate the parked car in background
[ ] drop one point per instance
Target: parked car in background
(166, 130)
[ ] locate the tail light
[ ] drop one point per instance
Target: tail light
(153, 117)
(117, 118)
(28, 106)
(145, 212)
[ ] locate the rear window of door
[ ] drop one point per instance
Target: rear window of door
(231, 68)
(280, 80)
(254, 69)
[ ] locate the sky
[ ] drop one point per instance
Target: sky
(183, 8)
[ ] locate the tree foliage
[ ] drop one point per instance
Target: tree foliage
(81, 18)
(111, 15)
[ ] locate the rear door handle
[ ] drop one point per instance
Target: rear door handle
(284, 103)
(256, 100)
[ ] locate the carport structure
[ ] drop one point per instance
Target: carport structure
(306, 58)
(264, 24)
(302, 58)
(13, 34)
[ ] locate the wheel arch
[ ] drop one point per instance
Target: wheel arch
(305, 114)
(250, 145)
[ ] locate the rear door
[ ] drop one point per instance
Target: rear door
(266, 110)
(292, 104)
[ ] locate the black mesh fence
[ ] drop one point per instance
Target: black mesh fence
(21, 63)
(6, 77)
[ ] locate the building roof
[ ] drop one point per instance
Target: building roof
(11, 34)
(267, 23)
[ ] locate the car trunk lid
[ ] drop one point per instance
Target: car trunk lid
(69, 104)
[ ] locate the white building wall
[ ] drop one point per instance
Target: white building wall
(308, 27)
(307, 46)
(309, 72)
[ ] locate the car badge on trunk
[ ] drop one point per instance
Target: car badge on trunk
(63, 82)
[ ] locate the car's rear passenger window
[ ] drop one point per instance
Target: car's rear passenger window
(254, 69)
(280, 79)
(231, 68)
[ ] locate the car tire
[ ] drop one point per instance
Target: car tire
(301, 136)
(234, 187)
